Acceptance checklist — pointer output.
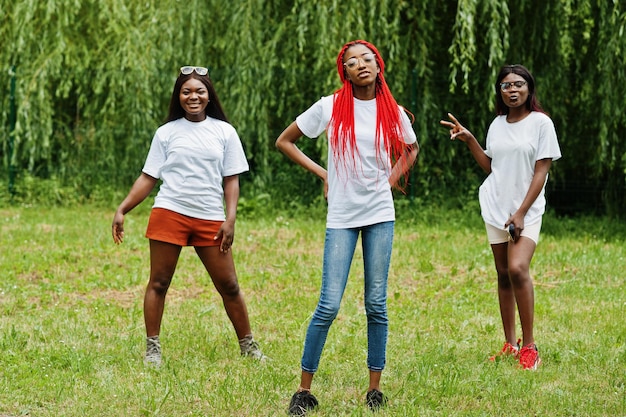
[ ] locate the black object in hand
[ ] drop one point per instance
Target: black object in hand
(512, 231)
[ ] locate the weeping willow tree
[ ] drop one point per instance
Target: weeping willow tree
(93, 79)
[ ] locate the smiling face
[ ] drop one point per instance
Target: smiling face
(360, 65)
(194, 98)
(513, 96)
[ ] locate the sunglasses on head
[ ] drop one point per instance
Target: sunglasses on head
(186, 70)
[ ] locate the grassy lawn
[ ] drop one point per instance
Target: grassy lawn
(72, 334)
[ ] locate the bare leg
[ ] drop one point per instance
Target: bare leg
(506, 294)
(305, 381)
(374, 380)
(221, 269)
(520, 255)
(163, 260)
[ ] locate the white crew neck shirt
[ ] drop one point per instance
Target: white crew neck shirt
(358, 194)
(192, 158)
(514, 148)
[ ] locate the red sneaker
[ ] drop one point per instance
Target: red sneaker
(508, 349)
(529, 357)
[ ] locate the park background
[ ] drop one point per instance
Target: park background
(85, 83)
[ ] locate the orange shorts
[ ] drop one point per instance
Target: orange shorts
(168, 226)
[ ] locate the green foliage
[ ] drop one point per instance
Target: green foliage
(93, 80)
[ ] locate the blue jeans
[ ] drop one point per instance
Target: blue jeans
(339, 246)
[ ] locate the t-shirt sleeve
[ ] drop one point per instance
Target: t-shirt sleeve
(487, 149)
(313, 121)
(548, 146)
(407, 127)
(156, 157)
(235, 161)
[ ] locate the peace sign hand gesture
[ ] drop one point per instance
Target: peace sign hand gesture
(457, 130)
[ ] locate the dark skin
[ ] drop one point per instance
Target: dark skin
(363, 77)
(512, 259)
(217, 260)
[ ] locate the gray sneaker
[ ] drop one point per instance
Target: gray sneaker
(249, 347)
(153, 351)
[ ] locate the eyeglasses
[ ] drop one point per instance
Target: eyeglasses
(186, 70)
(507, 86)
(354, 61)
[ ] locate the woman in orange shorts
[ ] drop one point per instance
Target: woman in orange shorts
(198, 156)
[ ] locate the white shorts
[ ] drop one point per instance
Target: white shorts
(496, 235)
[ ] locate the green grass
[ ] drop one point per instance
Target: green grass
(72, 335)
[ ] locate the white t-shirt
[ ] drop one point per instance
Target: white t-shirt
(514, 148)
(192, 158)
(360, 194)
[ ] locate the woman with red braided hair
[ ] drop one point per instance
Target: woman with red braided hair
(371, 147)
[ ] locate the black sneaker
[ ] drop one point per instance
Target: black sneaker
(301, 402)
(375, 399)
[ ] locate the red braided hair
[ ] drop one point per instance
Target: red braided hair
(388, 122)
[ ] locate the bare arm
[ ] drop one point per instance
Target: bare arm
(405, 162)
(231, 198)
(542, 167)
(286, 143)
(458, 131)
(141, 189)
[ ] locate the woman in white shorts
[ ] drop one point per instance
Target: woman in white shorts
(520, 147)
